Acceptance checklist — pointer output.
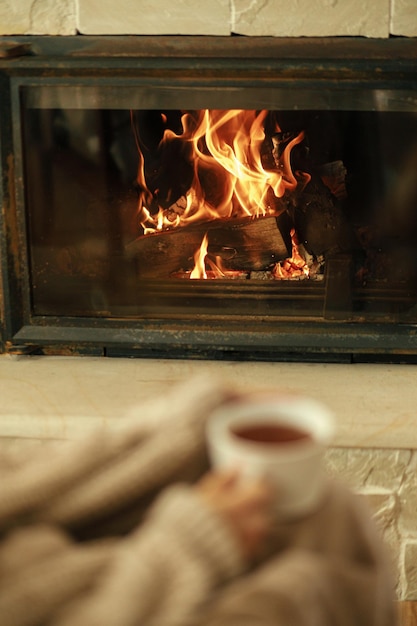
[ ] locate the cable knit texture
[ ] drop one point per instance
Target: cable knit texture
(110, 532)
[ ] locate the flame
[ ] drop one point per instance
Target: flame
(217, 269)
(229, 180)
(199, 270)
(202, 261)
(293, 267)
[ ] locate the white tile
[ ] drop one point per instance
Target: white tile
(404, 18)
(150, 17)
(311, 18)
(37, 17)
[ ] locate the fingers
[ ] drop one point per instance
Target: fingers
(231, 480)
(245, 505)
(220, 480)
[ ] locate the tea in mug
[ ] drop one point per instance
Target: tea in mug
(270, 433)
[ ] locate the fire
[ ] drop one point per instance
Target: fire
(229, 180)
(228, 168)
(293, 267)
(207, 268)
(199, 270)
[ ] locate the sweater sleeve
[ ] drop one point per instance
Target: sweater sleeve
(299, 588)
(331, 569)
(162, 573)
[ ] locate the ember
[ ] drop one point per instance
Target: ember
(293, 267)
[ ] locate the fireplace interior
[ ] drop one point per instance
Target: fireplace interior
(210, 197)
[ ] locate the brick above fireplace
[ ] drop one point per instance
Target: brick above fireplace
(318, 18)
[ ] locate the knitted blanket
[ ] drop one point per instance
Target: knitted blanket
(109, 531)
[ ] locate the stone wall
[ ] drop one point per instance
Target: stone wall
(279, 18)
(388, 481)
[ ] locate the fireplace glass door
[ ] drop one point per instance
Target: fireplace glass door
(260, 203)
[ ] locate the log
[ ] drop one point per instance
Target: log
(320, 220)
(244, 244)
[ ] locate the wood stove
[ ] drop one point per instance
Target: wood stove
(249, 198)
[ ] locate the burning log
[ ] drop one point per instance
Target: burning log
(245, 244)
(320, 220)
(333, 175)
(252, 244)
(316, 205)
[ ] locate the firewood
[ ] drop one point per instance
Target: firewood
(320, 220)
(244, 244)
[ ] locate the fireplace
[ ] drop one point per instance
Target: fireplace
(249, 198)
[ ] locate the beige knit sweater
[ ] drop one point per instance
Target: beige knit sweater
(110, 532)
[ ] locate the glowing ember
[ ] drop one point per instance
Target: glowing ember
(293, 267)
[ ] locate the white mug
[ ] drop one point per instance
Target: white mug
(294, 467)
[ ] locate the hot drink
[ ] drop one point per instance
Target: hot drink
(278, 437)
(270, 433)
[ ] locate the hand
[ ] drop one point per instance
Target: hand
(244, 505)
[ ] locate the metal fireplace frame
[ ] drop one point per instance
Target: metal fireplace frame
(195, 62)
